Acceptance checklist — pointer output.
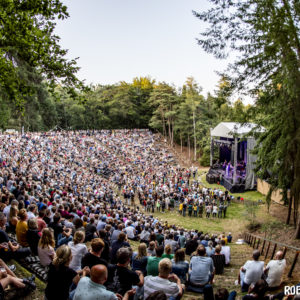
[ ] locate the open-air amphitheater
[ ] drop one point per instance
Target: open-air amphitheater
(116, 177)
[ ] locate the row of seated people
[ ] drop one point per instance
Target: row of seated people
(206, 256)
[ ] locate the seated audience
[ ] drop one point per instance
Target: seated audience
(33, 236)
(60, 276)
(201, 273)
(164, 282)
(257, 291)
(251, 272)
(9, 249)
(151, 249)
(93, 257)
(78, 249)
(116, 245)
(180, 266)
(223, 294)
(8, 278)
(120, 278)
(210, 250)
(168, 252)
(92, 288)
(22, 227)
(46, 246)
(226, 251)
(140, 259)
(219, 260)
(153, 261)
(274, 270)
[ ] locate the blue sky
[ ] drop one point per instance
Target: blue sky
(117, 40)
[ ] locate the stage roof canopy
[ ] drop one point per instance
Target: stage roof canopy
(231, 129)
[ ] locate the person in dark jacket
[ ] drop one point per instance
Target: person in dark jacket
(116, 245)
(33, 236)
(191, 245)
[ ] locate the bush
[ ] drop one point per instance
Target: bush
(205, 158)
(253, 226)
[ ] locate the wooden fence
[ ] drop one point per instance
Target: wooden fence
(268, 248)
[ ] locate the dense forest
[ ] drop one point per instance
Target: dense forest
(183, 115)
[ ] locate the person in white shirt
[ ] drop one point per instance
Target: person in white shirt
(130, 231)
(6, 209)
(226, 251)
(31, 211)
(78, 249)
(274, 270)
(163, 282)
(251, 271)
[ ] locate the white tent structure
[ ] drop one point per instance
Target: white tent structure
(230, 133)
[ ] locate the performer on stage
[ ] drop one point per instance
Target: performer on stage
(228, 167)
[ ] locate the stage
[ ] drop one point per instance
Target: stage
(217, 175)
(231, 159)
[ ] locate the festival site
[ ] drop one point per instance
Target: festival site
(162, 163)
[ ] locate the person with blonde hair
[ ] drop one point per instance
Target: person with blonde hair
(162, 281)
(46, 246)
(168, 252)
(140, 259)
(61, 276)
(79, 250)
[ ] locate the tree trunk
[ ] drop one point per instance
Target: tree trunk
(189, 145)
(297, 234)
(289, 211)
(180, 142)
(195, 140)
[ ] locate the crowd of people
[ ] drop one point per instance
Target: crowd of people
(69, 198)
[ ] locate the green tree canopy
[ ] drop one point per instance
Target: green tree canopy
(29, 50)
